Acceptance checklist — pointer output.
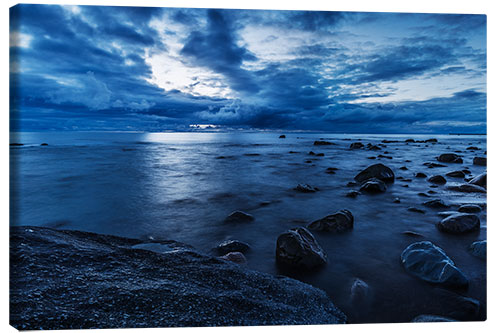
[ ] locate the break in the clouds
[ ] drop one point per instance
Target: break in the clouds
(157, 69)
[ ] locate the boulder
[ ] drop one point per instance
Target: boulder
(459, 223)
(467, 188)
(306, 188)
(356, 145)
(338, 222)
(450, 158)
(479, 180)
(298, 248)
(436, 203)
(430, 263)
(438, 179)
(379, 171)
(469, 208)
(231, 246)
(236, 257)
(479, 161)
(478, 249)
(373, 185)
(456, 174)
(352, 194)
(239, 216)
(421, 175)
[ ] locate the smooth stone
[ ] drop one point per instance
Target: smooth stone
(435, 203)
(356, 145)
(416, 210)
(378, 171)
(438, 179)
(236, 257)
(472, 148)
(434, 165)
(469, 208)
(432, 140)
(479, 180)
(239, 216)
(283, 136)
(323, 143)
(456, 174)
(403, 168)
(478, 249)
(44, 144)
(430, 263)
(425, 318)
(320, 154)
(305, 188)
(298, 248)
(397, 200)
(373, 185)
(338, 222)
(375, 148)
(231, 246)
(352, 194)
(479, 161)
(459, 223)
(467, 188)
(412, 233)
(421, 175)
(359, 292)
(450, 158)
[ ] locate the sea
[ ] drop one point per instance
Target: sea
(182, 186)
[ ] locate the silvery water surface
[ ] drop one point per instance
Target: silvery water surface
(181, 186)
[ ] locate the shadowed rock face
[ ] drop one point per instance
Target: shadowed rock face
(479, 161)
(429, 263)
(378, 171)
(459, 223)
(437, 180)
(373, 186)
(298, 248)
(76, 280)
(478, 249)
(479, 180)
(450, 158)
(338, 222)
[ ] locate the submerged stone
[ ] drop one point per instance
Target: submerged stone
(298, 248)
(338, 222)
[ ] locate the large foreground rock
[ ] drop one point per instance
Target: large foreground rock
(459, 223)
(429, 263)
(298, 248)
(378, 171)
(76, 280)
(338, 222)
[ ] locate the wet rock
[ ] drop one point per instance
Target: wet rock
(403, 168)
(472, 148)
(431, 192)
(410, 141)
(469, 208)
(456, 174)
(239, 216)
(306, 188)
(236, 257)
(352, 194)
(406, 185)
(467, 172)
(231, 246)
(459, 307)
(384, 156)
(15, 144)
(436, 203)
(298, 248)
(283, 136)
(320, 154)
(351, 184)
(438, 179)
(416, 210)
(421, 175)
(360, 292)
(371, 157)
(425, 318)
(373, 185)
(459, 223)
(479, 180)
(375, 148)
(432, 165)
(323, 143)
(467, 188)
(479, 161)
(446, 213)
(430, 263)
(378, 171)
(293, 152)
(425, 195)
(338, 222)
(412, 233)
(356, 145)
(431, 140)
(450, 158)
(312, 153)
(331, 170)
(478, 249)
(44, 144)
(397, 200)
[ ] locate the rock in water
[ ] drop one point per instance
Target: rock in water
(478, 249)
(459, 223)
(378, 171)
(430, 263)
(467, 188)
(479, 161)
(352, 194)
(298, 248)
(421, 175)
(436, 203)
(373, 186)
(437, 180)
(305, 188)
(356, 145)
(359, 292)
(323, 143)
(469, 208)
(236, 257)
(430, 319)
(456, 174)
(339, 222)
(450, 158)
(479, 180)
(239, 216)
(137, 288)
(283, 136)
(231, 246)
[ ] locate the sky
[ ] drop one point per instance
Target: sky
(85, 68)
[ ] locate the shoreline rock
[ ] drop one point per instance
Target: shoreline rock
(298, 248)
(339, 222)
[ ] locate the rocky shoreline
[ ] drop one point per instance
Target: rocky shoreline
(79, 280)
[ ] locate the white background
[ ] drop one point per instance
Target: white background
(422, 6)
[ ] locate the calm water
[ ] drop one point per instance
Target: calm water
(178, 186)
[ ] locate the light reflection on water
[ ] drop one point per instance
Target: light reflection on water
(181, 186)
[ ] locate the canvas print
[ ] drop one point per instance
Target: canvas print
(180, 167)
